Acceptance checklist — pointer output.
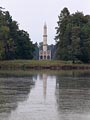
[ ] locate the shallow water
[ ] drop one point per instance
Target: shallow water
(42, 96)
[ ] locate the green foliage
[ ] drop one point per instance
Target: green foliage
(25, 48)
(73, 36)
(14, 43)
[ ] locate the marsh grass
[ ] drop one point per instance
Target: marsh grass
(36, 64)
(30, 73)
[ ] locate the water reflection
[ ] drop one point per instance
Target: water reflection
(44, 85)
(12, 91)
(73, 96)
(61, 96)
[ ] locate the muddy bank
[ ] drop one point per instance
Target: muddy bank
(47, 67)
(63, 67)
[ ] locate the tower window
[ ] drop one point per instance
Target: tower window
(44, 57)
(41, 57)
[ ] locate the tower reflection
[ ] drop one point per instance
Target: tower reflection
(44, 85)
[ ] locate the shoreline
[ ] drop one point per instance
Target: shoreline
(41, 65)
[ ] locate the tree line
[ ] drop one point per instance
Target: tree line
(73, 36)
(14, 43)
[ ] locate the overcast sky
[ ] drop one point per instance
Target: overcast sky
(31, 14)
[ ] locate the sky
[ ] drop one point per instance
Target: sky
(32, 14)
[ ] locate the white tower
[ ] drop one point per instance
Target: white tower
(45, 38)
(45, 53)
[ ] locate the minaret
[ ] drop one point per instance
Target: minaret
(45, 38)
(45, 53)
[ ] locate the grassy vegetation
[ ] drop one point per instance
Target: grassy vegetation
(44, 64)
(30, 73)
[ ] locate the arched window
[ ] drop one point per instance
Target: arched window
(44, 57)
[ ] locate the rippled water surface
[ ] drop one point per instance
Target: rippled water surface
(46, 96)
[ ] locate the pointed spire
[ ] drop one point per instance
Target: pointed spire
(45, 25)
(45, 38)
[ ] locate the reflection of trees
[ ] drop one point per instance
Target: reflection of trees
(74, 73)
(73, 94)
(13, 90)
(74, 80)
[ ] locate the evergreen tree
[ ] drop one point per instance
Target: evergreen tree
(61, 35)
(14, 43)
(73, 37)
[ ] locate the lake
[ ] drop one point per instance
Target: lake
(63, 95)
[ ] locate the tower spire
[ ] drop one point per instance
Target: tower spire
(45, 38)
(45, 53)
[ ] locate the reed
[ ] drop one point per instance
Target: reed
(44, 64)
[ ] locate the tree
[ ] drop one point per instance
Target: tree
(86, 43)
(14, 43)
(25, 48)
(36, 52)
(73, 37)
(61, 35)
(75, 45)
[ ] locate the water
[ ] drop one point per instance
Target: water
(46, 96)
